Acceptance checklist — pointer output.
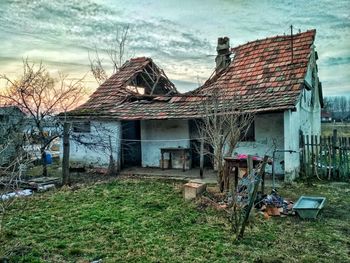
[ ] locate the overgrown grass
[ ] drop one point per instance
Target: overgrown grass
(343, 129)
(148, 221)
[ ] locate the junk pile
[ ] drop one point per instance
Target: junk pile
(27, 187)
(274, 205)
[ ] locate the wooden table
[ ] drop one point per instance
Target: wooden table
(171, 150)
(233, 164)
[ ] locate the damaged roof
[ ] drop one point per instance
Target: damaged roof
(137, 72)
(263, 74)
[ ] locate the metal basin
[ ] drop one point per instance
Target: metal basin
(309, 206)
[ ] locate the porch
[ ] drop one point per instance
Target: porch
(209, 175)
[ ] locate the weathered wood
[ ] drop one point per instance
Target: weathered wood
(316, 161)
(307, 157)
(312, 156)
(324, 155)
(329, 157)
(302, 141)
(253, 197)
(201, 158)
(250, 164)
(340, 157)
(346, 152)
(334, 150)
(65, 159)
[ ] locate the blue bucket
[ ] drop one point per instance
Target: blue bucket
(48, 158)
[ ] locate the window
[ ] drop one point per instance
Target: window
(82, 127)
(249, 134)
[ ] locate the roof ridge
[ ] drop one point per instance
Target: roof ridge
(272, 37)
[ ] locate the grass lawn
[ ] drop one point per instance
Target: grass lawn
(132, 220)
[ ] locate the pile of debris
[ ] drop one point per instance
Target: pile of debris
(274, 205)
(27, 187)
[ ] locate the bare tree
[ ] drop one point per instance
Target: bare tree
(41, 97)
(14, 160)
(222, 125)
(117, 53)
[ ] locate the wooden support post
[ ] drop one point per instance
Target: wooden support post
(263, 180)
(183, 154)
(65, 160)
(162, 159)
(250, 164)
(201, 158)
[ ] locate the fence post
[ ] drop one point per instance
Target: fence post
(312, 156)
(334, 151)
(330, 162)
(307, 156)
(302, 146)
(65, 160)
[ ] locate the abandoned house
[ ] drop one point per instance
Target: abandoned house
(138, 110)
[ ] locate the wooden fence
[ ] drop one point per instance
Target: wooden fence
(325, 156)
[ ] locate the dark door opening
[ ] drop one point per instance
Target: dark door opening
(195, 146)
(131, 144)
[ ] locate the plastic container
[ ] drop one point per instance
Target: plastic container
(309, 206)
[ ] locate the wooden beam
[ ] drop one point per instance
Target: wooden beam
(201, 158)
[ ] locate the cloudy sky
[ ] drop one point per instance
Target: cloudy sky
(179, 35)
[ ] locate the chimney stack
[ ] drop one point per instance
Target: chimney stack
(223, 53)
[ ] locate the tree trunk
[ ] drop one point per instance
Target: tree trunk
(43, 161)
(111, 166)
(65, 160)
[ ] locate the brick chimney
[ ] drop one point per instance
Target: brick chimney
(223, 53)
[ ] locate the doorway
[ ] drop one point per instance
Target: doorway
(131, 144)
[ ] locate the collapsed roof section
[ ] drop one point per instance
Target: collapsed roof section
(138, 76)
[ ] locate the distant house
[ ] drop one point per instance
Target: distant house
(276, 77)
(326, 116)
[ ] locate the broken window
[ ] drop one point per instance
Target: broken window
(81, 127)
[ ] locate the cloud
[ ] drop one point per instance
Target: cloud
(179, 36)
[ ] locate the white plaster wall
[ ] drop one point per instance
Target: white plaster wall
(268, 136)
(292, 122)
(96, 154)
(162, 130)
(306, 118)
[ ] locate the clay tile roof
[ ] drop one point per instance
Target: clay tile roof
(114, 90)
(261, 73)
